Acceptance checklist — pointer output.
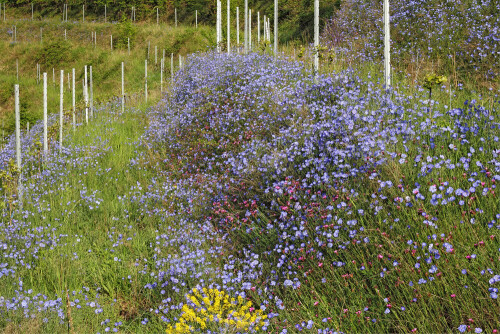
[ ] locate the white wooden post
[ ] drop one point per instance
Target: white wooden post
(18, 126)
(149, 44)
(17, 69)
(65, 34)
(146, 80)
(275, 27)
(161, 74)
(196, 18)
(128, 44)
(105, 13)
(238, 29)
(53, 76)
(157, 17)
(217, 26)
(74, 101)
(86, 96)
(32, 11)
(45, 143)
(69, 83)
(316, 39)
(83, 14)
(175, 11)
(228, 26)
(258, 28)
(15, 34)
(172, 67)
(61, 106)
(250, 30)
(123, 86)
(111, 42)
(156, 55)
(245, 49)
(387, 45)
(95, 39)
(180, 62)
(41, 35)
(91, 94)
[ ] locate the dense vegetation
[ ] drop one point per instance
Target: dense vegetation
(295, 16)
(254, 196)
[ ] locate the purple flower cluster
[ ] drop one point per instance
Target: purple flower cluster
(462, 33)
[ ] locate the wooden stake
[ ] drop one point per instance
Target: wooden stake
(161, 74)
(275, 27)
(18, 126)
(146, 80)
(91, 94)
(172, 67)
(61, 107)
(228, 26)
(245, 49)
(387, 46)
(238, 29)
(316, 39)
(74, 100)
(123, 87)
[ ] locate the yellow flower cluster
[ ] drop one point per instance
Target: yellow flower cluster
(214, 308)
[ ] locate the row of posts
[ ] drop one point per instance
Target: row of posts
(266, 33)
(3, 13)
(88, 97)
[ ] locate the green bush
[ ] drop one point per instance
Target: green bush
(126, 30)
(54, 53)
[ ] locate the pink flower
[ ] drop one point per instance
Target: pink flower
(453, 295)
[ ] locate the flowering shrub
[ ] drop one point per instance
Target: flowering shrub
(211, 308)
(463, 34)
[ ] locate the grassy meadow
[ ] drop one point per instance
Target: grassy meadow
(252, 196)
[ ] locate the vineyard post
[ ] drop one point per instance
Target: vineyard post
(172, 67)
(228, 26)
(18, 126)
(238, 29)
(74, 100)
(161, 74)
(387, 46)
(111, 42)
(258, 28)
(196, 18)
(105, 13)
(175, 17)
(17, 69)
(45, 142)
(61, 106)
(32, 11)
(123, 86)
(146, 80)
(246, 27)
(217, 26)
(275, 27)
(83, 14)
(86, 96)
(156, 55)
(91, 94)
(157, 17)
(250, 30)
(316, 39)
(128, 44)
